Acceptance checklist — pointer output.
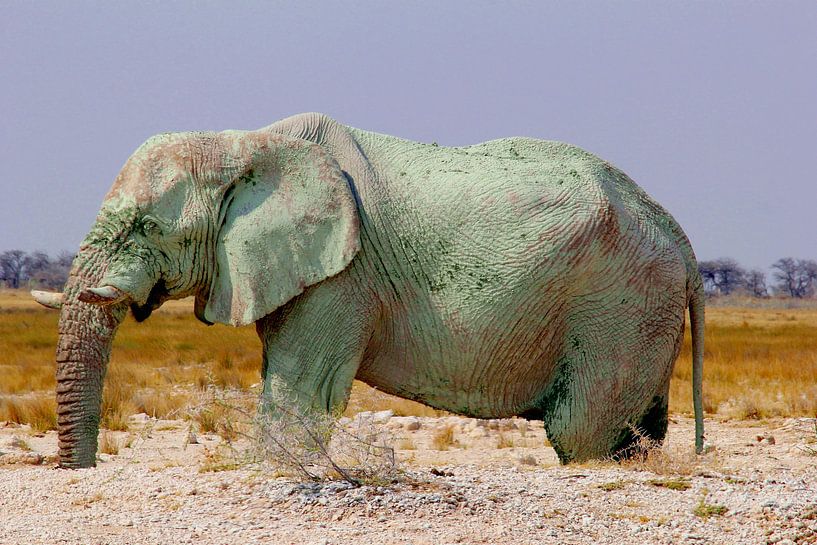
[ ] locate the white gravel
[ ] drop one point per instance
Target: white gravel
(154, 492)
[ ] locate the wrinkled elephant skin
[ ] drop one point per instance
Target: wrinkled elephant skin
(514, 277)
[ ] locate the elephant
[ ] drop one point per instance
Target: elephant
(513, 277)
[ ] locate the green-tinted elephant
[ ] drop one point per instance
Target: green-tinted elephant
(514, 277)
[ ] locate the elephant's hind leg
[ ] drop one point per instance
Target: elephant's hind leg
(599, 398)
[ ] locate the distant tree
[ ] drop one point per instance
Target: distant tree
(49, 273)
(36, 269)
(721, 276)
(34, 263)
(755, 283)
(795, 277)
(12, 265)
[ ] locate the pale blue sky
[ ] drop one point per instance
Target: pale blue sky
(710, 106)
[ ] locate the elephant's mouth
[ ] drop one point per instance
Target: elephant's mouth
(158, 295)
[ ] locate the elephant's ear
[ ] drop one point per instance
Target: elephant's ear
(288, 220)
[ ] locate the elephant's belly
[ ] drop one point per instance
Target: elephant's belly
(492, 371)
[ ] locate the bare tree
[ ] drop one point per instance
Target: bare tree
(37, 269)
(41, 271)
(755, 283)
(721, 276)
(795, 277)
(12, 264)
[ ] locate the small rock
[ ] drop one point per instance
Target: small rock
(139, 417)
(381, 417)
(18, 443)
(27, 458)
(413, 424)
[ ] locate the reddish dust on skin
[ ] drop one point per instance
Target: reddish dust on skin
(446, 340)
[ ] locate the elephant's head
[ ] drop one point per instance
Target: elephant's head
(243, 221)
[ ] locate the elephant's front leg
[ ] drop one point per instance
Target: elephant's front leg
(314, 344)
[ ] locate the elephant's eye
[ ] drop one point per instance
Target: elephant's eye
(150, 227)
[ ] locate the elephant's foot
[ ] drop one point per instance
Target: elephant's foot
(577, 439)
(644, 435)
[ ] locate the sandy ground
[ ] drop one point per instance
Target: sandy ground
(758, 484)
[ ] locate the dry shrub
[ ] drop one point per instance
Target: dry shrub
(504, 441)
(221, 458)
(39, 411)
(443, 438)
(317, 446)
(116, 403)
(162, 405)
(109, 443)
(305, 444)
(647, 454)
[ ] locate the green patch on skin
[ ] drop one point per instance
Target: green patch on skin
(112, 227)
(557, 397)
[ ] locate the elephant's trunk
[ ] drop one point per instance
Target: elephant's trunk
(86, 332)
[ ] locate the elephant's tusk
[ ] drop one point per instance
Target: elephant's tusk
(50, 299)
(105, 295)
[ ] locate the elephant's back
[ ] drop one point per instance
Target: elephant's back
(492, 250)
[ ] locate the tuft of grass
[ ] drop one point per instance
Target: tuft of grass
(671, 484)
(20, 443)
(86, 501)
(219, 459)
(504, 441)
(612, 485)
(810, 439)
(527, 460)
(649, 455)
(162, 405)
(406, 443)
(443, 438)
(109, 443)
(705, 510)
(39, 411)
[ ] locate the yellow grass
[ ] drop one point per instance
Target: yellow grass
(759, 362)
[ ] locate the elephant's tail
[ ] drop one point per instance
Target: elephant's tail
(696, 319)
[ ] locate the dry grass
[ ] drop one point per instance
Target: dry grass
(504, 441)
(365, 398)
(705, 510)
(760, 362)
(443, 438)
(109, 443)
(39, 410)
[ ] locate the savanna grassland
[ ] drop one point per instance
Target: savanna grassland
(759, 362)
